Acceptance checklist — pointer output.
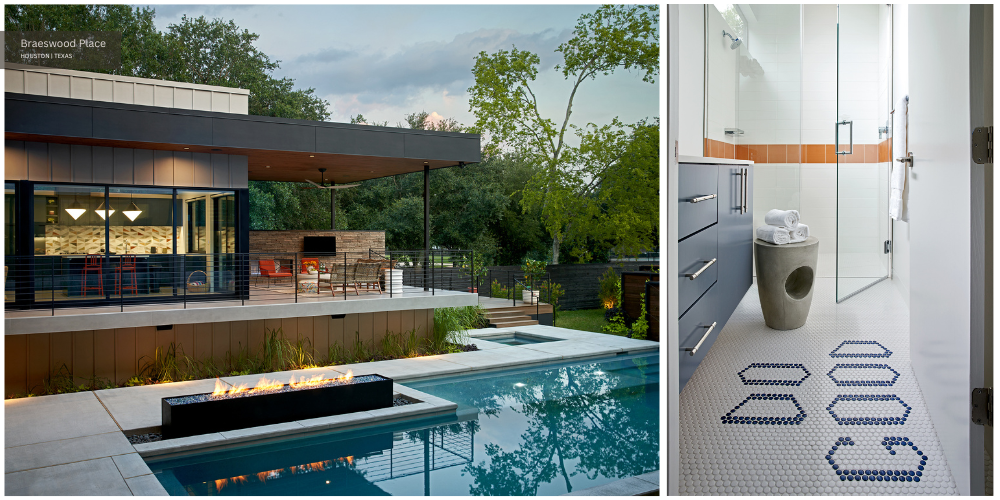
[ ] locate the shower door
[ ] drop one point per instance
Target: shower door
(861, 146)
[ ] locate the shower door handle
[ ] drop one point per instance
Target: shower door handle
(836, 128)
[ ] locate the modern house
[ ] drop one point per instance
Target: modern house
(127, 224)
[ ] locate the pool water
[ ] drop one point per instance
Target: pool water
(544, 430)
(518, 339)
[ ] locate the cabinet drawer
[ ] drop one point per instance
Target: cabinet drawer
(692, 327)
(692, 255)
(696, 181)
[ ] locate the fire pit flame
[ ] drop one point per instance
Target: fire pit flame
(265, 384)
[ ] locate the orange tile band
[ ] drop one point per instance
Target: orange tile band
(796, 153)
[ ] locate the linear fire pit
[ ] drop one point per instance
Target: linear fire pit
(272, 402)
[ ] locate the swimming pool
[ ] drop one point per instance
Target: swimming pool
(543, 430)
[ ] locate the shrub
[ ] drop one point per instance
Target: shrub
(610, 293)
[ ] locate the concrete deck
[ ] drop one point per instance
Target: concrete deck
(73, 444)
(260, 306)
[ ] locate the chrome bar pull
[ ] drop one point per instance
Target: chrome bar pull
(745, 174)
(708, 264)
(836, 126)
(694, 349)
(906, 159)
(703, 198)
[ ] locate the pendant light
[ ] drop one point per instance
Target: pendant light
(101, 211)
(75, 209)
(133, 211)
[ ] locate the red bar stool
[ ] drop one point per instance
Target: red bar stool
(126, 264)
(93, 263)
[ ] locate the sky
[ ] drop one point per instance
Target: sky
(389, 60)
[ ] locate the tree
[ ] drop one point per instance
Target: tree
(612, 38)
(195, 50)
(143, 49)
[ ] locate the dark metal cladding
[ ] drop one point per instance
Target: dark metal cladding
(218, 415)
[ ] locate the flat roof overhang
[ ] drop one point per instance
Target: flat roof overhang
(278, 149)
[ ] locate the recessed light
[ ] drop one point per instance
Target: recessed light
(312, 156)
(267, 166)
(187, 148)
(519, 384)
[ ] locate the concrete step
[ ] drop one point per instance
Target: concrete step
(518, 322)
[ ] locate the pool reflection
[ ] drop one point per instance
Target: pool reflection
(545, 431)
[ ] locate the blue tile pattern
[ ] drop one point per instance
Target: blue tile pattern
(771, 457)
(900, 420)
(879, 474)
(870, 383)
(774, 381)
(797, 419)
(884, 354)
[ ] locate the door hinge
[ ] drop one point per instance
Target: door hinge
(887, 247)
(982, 145)
(982, 406)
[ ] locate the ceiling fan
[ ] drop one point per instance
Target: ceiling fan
(323, 181)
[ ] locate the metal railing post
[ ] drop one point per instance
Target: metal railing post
(472, 269)
(295, 276)
(345, 277)
(184, 280)
(513, 289)
(52, 287)
(433, 275)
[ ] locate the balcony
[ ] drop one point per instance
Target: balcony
(71, 293)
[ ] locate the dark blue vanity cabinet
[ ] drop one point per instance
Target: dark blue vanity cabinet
(714, 252)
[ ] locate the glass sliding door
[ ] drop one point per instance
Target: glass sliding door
(861, 146)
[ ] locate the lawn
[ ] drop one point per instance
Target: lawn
(588, 320)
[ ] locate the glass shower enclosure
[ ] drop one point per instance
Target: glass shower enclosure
(813, 95)
(862, 146)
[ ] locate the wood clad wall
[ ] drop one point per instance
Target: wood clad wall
(633, 286)
(119, 354)
(51, 162)
(653, 310)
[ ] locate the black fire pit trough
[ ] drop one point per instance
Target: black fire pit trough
(204, 413)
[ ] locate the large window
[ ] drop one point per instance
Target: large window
(97, 242)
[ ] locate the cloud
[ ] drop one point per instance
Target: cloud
(363, 77)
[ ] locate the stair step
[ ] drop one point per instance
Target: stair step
(505, 314)
(508, 324)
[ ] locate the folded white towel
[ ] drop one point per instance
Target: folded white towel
(799, 233)
(773, 234)
(782, 218)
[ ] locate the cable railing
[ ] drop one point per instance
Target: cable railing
(57, 282)
(530, 289)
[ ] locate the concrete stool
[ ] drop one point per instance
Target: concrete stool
(785, 278)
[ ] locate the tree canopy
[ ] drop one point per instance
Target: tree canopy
(195, 50)
(567, 186)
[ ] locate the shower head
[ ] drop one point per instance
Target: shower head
(736, 41)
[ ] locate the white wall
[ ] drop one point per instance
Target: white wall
(769, 107)
(940, 291)
(722, 79)
(691, 56)
(770, 104)
(58, 82)
(900, 88)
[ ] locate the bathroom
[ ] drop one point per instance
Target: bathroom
(801, 107)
